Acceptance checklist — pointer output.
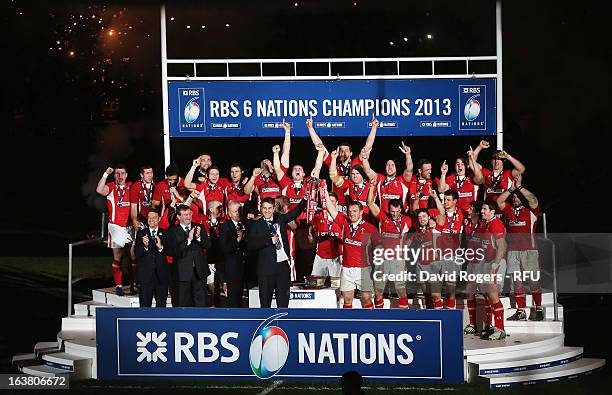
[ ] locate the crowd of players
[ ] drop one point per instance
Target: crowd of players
(476, 206)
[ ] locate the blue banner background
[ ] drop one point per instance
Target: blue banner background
(427, 107)
(436, 343)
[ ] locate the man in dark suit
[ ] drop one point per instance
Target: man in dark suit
(185, 243)
(153, 274)
(233, 245)
(268, 236)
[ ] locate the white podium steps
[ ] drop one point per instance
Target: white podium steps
(87, 308)
(79, 367)
(545, 359)
(79, 323)
(73, 355)
(45, 371)
(107, 296)
(568, 371)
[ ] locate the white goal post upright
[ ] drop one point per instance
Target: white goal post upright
(329, 62)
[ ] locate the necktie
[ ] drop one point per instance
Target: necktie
(273, 233)
(187, 228)
(153, 234)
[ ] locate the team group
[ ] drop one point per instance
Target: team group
(184, 233)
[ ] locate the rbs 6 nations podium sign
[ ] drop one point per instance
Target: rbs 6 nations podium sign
(288, 344)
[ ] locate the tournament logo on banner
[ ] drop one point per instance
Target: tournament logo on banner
(193, 115)
(298, 344)
(474, 99)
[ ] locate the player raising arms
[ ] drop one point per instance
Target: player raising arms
(235, 189)
(262, 181)
(497, 179)
(358, 239)
(522, 215)
(117, 195)
(389, 186)
(356, 188)
(393, 227)
(460, 181)
(345, 160)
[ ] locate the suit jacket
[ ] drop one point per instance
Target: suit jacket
(185, 257)
(150, 258)
(259, 238)
(233, 251)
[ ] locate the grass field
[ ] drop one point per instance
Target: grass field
(36, 287)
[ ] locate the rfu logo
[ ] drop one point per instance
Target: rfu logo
(144, 351)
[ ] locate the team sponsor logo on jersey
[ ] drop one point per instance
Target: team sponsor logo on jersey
(350, 241)
(473, 116)
(465, 194)
(389, 196)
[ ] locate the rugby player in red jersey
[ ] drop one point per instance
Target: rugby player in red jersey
(494, 266)
(327, 235)
(358, 240)
(424, 238)
(262, 181)
(393, 226)
(522, 216)
(449, 222)
(473, 230)
(117, 195)
(212, 189)
(168, 193)
(200, 175)
(389, 186)
(497, 179)
(420, 184)
(141, 197)
(356, 188)
(235, 189)
(345, 160)
(460, 181)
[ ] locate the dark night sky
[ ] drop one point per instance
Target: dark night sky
(56, 140)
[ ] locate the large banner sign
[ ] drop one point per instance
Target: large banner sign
(428, 107)
(288, 344)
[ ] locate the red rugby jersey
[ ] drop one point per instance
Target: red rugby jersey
(465, 188)
(392, 232)
(329, 235)
(357, 241)
(141, 194)
(493, 230)
(389, 188)
(496, 184)
(344, 172)
(450, 232)
(522, 223)
(118, 203)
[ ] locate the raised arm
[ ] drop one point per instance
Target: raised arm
(374, 209)
(331, 207)
(519, 168)
(333, 171)
(441, 212)
(189, 184)
(482, 145)
(102, 188)
(476, 168)
(286, 145)
(321, 152)
(250, 185)
(372, 135)
(365, 162)
(443, 187)
(276, 163)
(409, 165)
(524, 194)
